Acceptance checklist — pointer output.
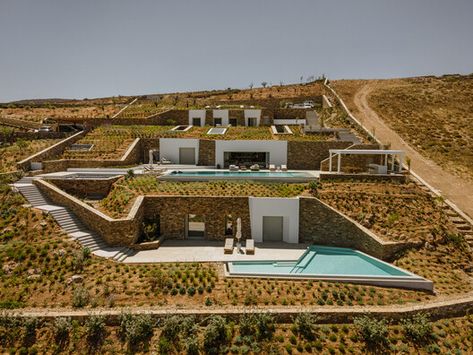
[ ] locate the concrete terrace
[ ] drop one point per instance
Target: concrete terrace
(212, 251)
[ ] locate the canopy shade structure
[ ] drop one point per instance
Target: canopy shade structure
(393, 153)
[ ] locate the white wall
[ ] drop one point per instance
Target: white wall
(288, 208)
(197, 113)
(223, 114)
(252, 114)
(169, 148)
(277, 149)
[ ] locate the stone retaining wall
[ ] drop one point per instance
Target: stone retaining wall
(321, 224)
(172, 212)
(50, 152)
(115, 232)
(307, 155)
(450, 308)
(363, 177)
(84, 188)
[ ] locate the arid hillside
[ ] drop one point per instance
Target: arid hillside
(433, 114)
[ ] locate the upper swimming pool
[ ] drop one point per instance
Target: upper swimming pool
(203, 175)
(329, 263)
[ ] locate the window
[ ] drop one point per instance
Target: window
(233, 122)
(196, 121)
(252, 121)
(228, 225)
(217, 121)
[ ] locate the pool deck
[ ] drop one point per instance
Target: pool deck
(212, 251)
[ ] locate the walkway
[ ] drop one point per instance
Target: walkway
(69, 222)
(455, 189)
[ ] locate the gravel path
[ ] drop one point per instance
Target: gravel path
(456, 189)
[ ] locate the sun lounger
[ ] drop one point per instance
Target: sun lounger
(250, 246)
(228, 248)
(233, 168)
(165, 161)
(272, 167)
(242, 167)
(283, 167)
(254, 167)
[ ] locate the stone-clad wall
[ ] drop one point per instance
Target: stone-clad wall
(206, 152)
(239, 115)
(322, 224)
(172, 117)
(146, 145)
(172, 212)
(118, 232)
(307, 155)
(84, 188)
(50, 152)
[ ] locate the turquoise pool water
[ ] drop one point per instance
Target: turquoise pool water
(319, 260)
(269, 174)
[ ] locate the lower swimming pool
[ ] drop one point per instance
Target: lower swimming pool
(203, 175)
(330, 263)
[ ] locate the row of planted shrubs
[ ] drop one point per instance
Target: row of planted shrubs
(215, 334)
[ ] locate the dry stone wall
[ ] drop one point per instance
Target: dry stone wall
(307, 155)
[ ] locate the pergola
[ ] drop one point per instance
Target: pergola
(393, 153)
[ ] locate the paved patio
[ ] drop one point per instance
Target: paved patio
(212, 251)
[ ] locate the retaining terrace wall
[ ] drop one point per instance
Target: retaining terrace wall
(50, 152)
(84, 188)
(115, 232)
(132, 156)
(172, 212)
(321, 224)
(307, 155)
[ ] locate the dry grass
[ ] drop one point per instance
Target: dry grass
(433, 114)
(13, 153)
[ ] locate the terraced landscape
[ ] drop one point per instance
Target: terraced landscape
(10, 154)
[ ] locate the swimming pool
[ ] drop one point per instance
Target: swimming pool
(204, 175)
(330, 263)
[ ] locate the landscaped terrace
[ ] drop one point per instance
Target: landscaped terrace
(21, 149)
(124, 191)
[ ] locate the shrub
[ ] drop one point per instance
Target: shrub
(304, 325)
(371, 330)
(247, 324)
(171, 327)
(136, 329)
(95, 329)
(264, 325)
(80, 297)
(62, 328)
(215, 334)
(30, 324)
(418, 327)
(192, 346)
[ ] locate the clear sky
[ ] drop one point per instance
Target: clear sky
(93, 48)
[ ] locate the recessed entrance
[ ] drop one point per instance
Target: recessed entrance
(195, 226)
(187, 156)
(233, 122)
(246, 158)
(272, 228)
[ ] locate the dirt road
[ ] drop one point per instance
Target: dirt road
(457, 190)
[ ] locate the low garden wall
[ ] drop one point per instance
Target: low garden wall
(321, 224)
(115, 232)
(50, 152)
(363, 177)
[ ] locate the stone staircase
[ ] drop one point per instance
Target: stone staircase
(70, 223)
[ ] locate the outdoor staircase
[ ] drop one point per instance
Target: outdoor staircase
(70, 223)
